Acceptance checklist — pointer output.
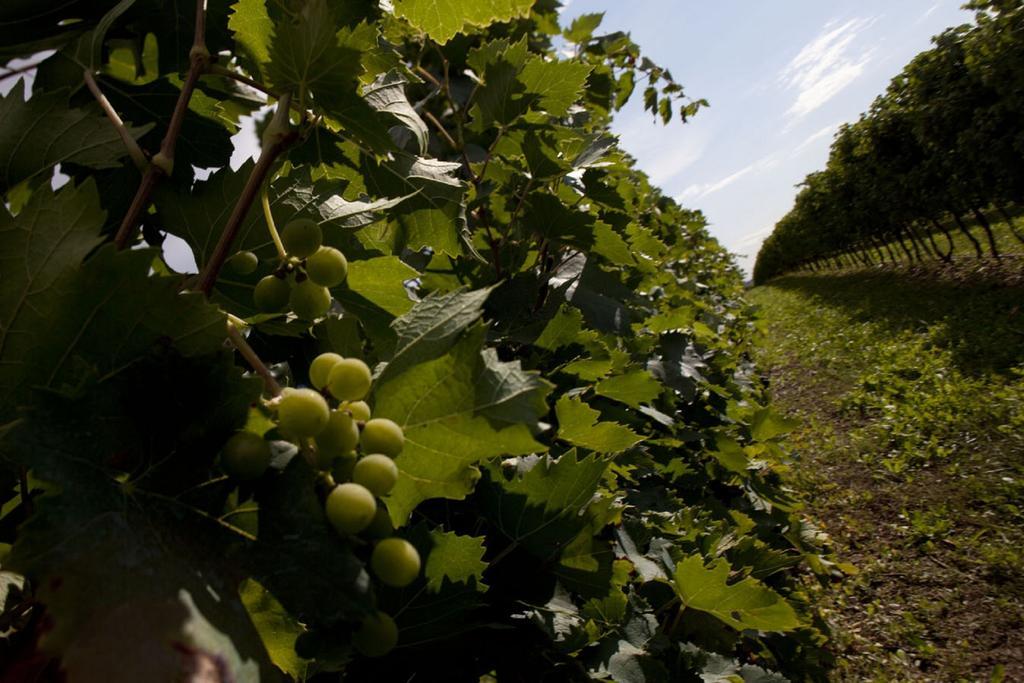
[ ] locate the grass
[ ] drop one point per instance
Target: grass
(911, 456)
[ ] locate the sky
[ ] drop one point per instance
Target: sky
(780, 77)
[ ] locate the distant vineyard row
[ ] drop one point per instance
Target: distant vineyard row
(941, 151)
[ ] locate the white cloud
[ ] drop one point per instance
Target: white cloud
(704, 189)
(930, 12)
(814, 137)
(825, 66)
(663, 152)
(749, 239)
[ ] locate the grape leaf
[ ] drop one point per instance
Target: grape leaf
(50, 236)
(387, 94)
(204, 141)
(442, 19)
(435, 402)
(433, 324)
(540, 509)
(555, 85)
(746, 604)
(507, 393)
(564, 328)
(455, 558)
(432, 215)
(253, 29)
(633, 388)
(61, 316)
(767, 424)
(39, 133)
(278, 629)
(112, 559)
(579, 425)
(306, 57)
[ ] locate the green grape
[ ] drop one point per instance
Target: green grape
(245, 456)
(243, 263)
(381, 435)
(327, 267)
(321, 367)
(381, 526)
(340, 437)
(349, 380)
(271, 294)
(359, 409)
(376, 472)
(302, 237)
(395, 562)
(302, 413)
(376, 636)
(309, 300)
(350, 508)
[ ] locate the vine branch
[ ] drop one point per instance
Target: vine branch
(163, 162)
(134, 151)
(255, 362)
(277, 138)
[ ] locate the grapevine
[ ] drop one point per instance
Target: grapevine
(455, 391)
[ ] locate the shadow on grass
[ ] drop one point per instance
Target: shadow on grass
(981, 320)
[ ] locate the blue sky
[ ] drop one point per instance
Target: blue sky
(780, 76)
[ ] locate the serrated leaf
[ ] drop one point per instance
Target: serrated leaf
(59, 315)
(746, 604)
(609, 245)
(540, 510)
(278, 630)
(442, 19)
(579, 424)
(555, 85)
(42, 132)
(565, 328)
(767, 424)
(432, 214)
(306, 57)
(252, 27)
(633, 388)
(435, 402)
(507, 393)
(730, 455)
(111, 559)
(455, 558)
(583, 27)
(387, 94)
(433, 325)
(50, 236)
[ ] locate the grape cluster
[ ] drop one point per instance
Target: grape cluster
(355, 453)
(302, 283)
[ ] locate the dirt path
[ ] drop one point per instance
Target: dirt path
(915, 477)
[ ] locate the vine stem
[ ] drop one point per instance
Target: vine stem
(20, 70)
(134, 151)
(163, 162)
(274, 145)
(271, 226)
(239, 342)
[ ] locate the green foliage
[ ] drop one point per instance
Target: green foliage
(560, 347)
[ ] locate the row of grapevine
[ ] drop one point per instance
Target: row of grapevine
(938, 150)
(456, 394)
